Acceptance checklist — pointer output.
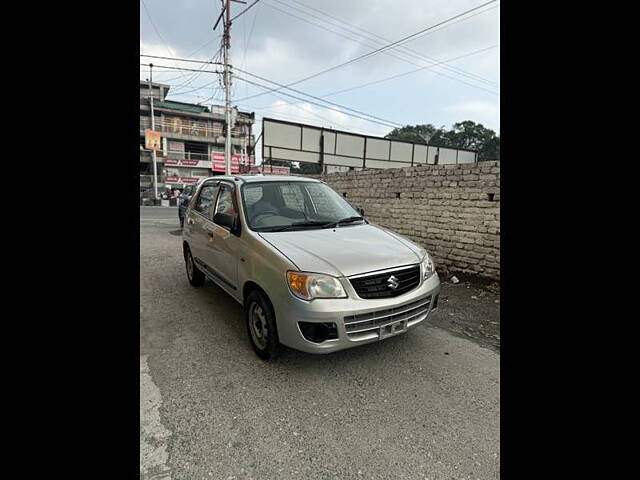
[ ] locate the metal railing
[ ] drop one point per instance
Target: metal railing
(177, 155)
(195, 129)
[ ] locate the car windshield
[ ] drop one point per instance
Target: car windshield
(278, 206)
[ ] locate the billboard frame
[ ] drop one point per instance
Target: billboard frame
(322, 153)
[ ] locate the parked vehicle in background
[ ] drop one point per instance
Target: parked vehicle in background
(146, 193)
(183, 202)
(311, 272)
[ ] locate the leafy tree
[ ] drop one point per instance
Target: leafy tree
(418, 134)
(306, 168)
(467, 135)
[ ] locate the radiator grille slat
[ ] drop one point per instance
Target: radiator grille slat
(374, 320)
(376, 285)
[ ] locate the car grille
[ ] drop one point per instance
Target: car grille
(376, 285)
(357, 324)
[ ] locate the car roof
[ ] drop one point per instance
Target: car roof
(262, 178)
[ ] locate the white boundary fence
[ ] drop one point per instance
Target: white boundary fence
(297, 142)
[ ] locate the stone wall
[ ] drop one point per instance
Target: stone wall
(451, 210)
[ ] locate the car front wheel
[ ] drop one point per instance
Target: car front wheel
(261, 326)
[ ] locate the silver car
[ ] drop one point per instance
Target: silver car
(310, 271)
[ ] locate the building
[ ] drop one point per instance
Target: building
(193, 139)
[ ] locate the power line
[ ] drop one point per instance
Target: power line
(316, 98)
(146, 10)
(248, 41)
(357, 112)
(403, 50)
(378, 50)
(195, 75)
(244, 10)
(384, 123)
(409, 72)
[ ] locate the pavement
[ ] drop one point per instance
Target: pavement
(422, 405)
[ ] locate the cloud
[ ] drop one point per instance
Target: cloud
(283, 41)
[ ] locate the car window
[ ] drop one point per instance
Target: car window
(292, 196)
(206, 200)
(225, 201)
(327, 203)
(252, 195)
(276, 204)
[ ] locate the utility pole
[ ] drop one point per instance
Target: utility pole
(153, 127)
(226, 44)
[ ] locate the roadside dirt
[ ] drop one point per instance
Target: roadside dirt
(470, 309)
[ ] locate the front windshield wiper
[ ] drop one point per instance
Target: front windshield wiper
(344, 220)
(310, 223)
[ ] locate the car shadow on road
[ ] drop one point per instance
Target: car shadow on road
(395, 349)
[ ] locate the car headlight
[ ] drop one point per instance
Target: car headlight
(314, 285)
(427, 266)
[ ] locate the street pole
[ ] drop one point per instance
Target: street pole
(227, 88)
(153, 127)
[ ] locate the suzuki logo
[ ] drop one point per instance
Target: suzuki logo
(392, 282)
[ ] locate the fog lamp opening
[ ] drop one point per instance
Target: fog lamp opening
(318, 332)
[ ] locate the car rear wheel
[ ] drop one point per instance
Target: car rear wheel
(195, 276)
(261, 326)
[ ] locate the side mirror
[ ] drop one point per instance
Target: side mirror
(226, 220)
(361, 211)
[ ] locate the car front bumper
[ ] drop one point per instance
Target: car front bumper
(412, 308)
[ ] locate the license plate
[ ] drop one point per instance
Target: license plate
(393, 329)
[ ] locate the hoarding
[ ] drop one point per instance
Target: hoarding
(218, 165)
(181, 179)
(298, 142)
(180, 162)
(152, 140)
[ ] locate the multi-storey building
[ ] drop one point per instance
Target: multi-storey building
(193, 139)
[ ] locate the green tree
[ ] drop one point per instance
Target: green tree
(418, 134)
(467, 135)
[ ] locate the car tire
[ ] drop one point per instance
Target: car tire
(195, 276)
(261, 326)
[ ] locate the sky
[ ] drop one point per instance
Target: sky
(287, 40)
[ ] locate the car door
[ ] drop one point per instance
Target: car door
(222, 247)
(199, 221)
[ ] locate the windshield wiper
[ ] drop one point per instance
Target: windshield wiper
(344, 220)
(310, 223)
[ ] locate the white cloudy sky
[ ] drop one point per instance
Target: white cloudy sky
(286, 40)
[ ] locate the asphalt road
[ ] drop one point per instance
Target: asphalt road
(422, 405)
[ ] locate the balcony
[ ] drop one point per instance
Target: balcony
(194, 132)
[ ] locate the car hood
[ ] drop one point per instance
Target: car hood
(344, 251)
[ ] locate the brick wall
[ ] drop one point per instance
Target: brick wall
(451, 210)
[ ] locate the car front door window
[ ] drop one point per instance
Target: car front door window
(225, 202)
(206, 200)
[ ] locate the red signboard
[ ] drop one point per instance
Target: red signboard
(180, 162)
(181, 180)
(217, 162)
